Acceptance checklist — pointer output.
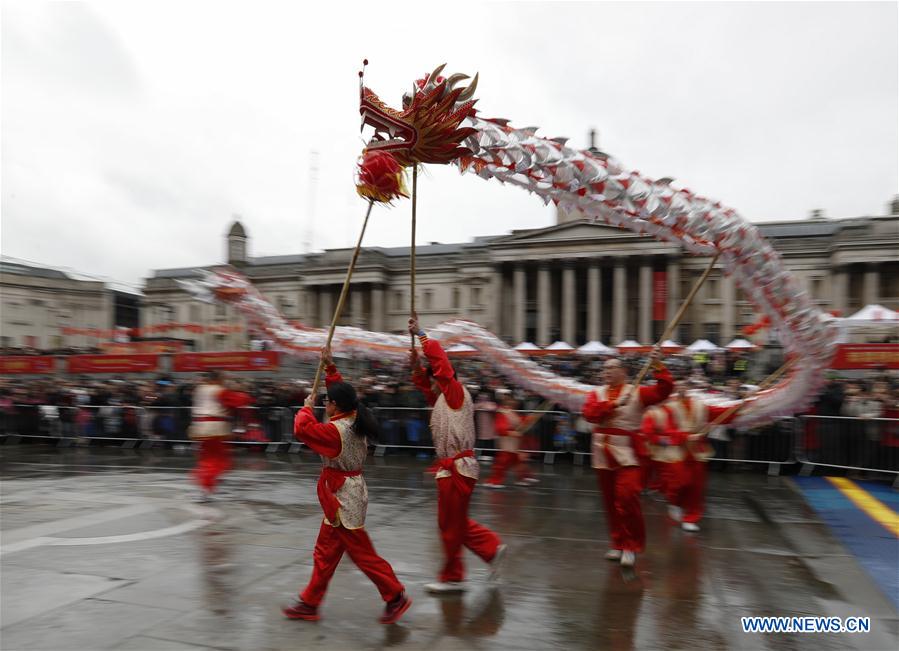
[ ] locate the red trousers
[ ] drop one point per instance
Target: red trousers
(213, 459)
(457, 530)
(329, 548)
(620, 489)
(685, 487)
(652, 474)
(507, 461)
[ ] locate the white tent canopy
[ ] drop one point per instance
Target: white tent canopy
(740, 344)
(874, 314)
(668, 343)
(630, 343)
(559, 345)
(527, 345)
(595, 348)
(702, 345)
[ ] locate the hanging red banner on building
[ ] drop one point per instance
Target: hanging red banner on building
(112, 363)
(26, 364)
(659, 295)
(266, 360)
(854, 356)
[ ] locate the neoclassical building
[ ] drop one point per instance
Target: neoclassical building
(574, 281)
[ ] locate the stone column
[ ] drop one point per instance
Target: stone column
(357, 299)
(495, 303)
(728, 316)
(645, 312)
(619, 299)
(377, 308)
(839, 288)
(544, 309)
(569, 315)
(325, 306)
(519, 303)
(871, 287)
(594, 301)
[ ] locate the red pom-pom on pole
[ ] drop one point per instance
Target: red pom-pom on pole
(380, 177)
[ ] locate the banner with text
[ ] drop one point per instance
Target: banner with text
(26, 364)
(266, 360)
(112, 363)
(853, 356)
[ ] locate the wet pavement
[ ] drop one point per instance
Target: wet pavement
(103, 549)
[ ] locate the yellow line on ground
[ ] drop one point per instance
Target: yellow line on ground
(878, 511)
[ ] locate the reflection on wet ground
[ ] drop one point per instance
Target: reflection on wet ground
(103, 549)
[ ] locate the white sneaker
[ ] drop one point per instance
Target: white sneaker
(496, 563)
(628, 559)
(488, 484)
(676, 513)
(531, 480)
(692, 527)
(444, 587)
(613, 555)
(522, 482)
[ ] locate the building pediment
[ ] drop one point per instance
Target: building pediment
(578, 231)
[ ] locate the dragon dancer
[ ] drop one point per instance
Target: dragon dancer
(676, 430)
(617, 410)
(343, 445)
(456, 469)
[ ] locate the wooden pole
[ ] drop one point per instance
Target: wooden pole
(342, 299)
(675, 321)
(412, 253)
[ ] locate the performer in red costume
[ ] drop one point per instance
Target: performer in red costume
(456, 469)
(617, 446)
(211, 413)
(343, 445)
(508, 426)
(676, 430)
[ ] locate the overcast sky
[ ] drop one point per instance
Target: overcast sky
(132, 131)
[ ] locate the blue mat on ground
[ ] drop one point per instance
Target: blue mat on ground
(875, 547)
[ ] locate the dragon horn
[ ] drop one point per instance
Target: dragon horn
(468, 93)
(432, 78)
(455, 79)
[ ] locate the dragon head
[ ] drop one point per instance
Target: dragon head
(427, 129)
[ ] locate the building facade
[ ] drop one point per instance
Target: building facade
(38, 303)
(574, 281)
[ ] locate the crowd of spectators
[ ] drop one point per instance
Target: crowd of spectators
(159, 408)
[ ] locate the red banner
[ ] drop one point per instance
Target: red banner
(852, 356)
(26, 364)
(659, 295)
(141, 347)
(112, 363)
(266, 360)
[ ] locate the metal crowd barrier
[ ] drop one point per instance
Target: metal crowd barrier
(139, 426)
(848, 443)
(845, 443)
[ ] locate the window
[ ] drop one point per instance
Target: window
(456, 298)
(429, 299)
(713, 288)
(397, 300)
(219, 342)
(194, 313)
(220, 309)
(712, 332)
(476, 296)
